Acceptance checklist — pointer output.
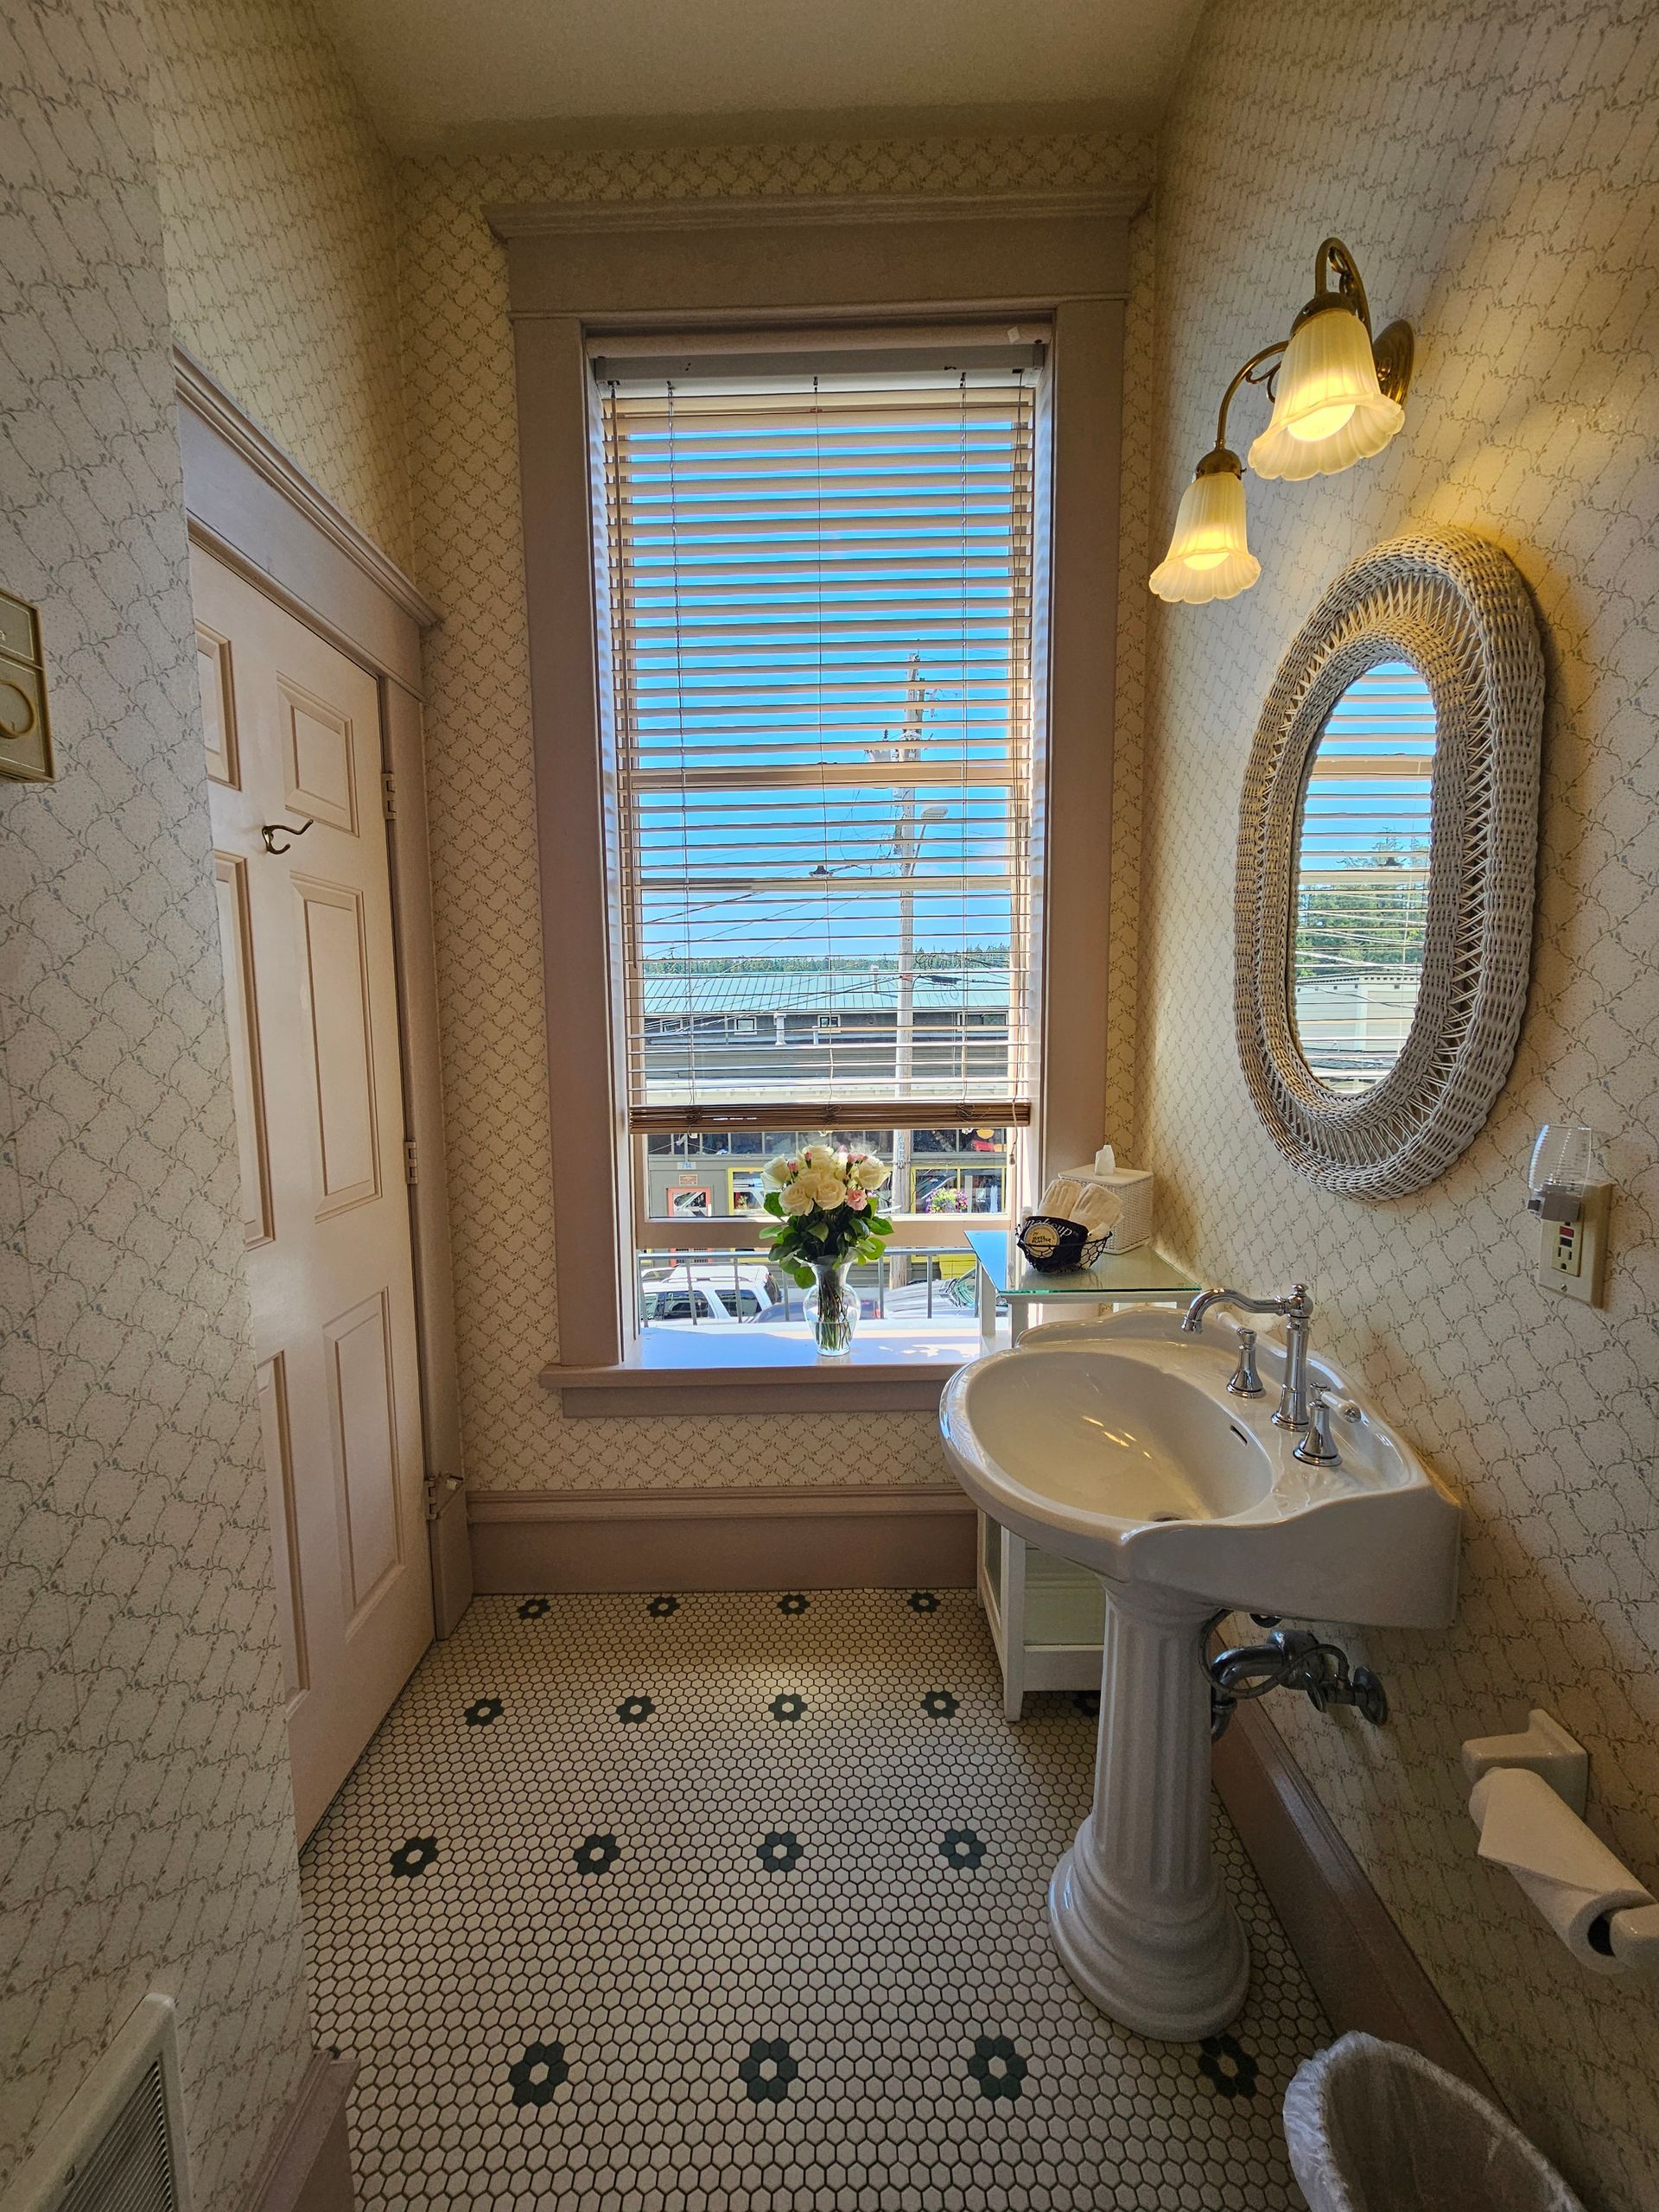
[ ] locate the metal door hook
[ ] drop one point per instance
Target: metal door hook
(267, 832)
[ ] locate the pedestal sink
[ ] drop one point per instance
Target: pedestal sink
(1116, 1444)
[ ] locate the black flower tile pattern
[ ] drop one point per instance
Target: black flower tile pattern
(482, 1711)
(596, 1854)
(660, 1608)
(787, 1707)
(413, 1857)
(998, 2066)
(794, 1601)
(538, 2074)
(632, 1710)
(535, 1609)
(939, 1705)
(923, 1601)
(543, 2027)
(768, 2067)
(1227, 2066)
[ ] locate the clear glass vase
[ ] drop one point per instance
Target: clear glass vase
(832, 1309)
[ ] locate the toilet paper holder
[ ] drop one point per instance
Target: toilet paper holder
(1527, 1799)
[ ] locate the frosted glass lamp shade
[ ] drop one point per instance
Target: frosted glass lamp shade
(1329, 411)
(1208, 557)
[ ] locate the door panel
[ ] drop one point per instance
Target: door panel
(217, 703)
(334, 979)
(271, 1377)
(311, 996)
(247, 1080)
(321, 779)
(365, 1443)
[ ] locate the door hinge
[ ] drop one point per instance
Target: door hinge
(411, 1161)
(388, 795)
(440, 1488)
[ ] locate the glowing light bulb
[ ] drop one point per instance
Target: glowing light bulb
(1329, 410)
(1209, 557)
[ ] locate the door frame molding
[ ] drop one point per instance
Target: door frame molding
(249, 506)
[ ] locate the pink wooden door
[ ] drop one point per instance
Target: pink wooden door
(293, 733)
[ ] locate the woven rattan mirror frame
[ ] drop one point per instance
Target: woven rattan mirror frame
(1454, 606)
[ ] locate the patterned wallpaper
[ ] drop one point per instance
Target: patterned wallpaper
(282, 253)
(148, 1834)
(1130, 704)
(458, 361)
(1496, 171)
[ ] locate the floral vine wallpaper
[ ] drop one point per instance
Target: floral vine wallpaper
(148, 1836)
(278, 207)
(1497, 172)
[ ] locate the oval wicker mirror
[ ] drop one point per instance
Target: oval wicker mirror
(1387, 849)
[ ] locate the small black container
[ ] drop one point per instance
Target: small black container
(1055, 1246)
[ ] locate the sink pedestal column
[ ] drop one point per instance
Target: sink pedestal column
(1140, 1918)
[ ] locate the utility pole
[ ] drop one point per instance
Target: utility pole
(908, 831)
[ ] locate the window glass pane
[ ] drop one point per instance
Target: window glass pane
(738, 1290)
(715, 1174)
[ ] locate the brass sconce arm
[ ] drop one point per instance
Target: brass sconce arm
(1254, 371)
(1333, 259)
(1392, 347)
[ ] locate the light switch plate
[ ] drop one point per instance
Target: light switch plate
(1572, 1255)
(25, 724)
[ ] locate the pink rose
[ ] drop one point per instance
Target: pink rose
(857, 1200)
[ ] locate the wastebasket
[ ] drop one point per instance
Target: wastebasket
(1374, 2127)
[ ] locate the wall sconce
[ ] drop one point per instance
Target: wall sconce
(1337, 397)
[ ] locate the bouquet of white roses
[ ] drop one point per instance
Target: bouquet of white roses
(824, 1202)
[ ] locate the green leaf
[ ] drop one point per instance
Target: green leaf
(803, 1276)
(774, 1205)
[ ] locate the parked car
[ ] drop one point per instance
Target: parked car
(695, 1293)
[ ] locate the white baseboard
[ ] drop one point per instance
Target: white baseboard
(308, 2167)
(899, 1537)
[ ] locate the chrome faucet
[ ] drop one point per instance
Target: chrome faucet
(1297, 1313)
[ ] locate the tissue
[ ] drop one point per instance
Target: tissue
(1567, 1871)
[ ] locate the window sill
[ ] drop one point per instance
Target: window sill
(753, 1369)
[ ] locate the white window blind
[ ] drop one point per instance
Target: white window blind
(819, 615)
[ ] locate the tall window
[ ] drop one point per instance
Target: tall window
(819, 609)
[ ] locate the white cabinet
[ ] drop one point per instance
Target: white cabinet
(1047, 1617)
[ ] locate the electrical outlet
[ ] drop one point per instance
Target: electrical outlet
(1564, 1246)
(1572, 1255)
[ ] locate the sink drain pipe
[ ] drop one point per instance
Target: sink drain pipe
(1287, 1659)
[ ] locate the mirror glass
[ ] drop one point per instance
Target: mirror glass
(1361, 900)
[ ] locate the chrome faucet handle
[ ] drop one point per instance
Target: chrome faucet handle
(1244, 1381)
(1317, 1447)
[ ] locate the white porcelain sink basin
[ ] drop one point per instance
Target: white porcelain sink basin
(1116, 1444)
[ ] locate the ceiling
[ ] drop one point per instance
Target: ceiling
(498, 74)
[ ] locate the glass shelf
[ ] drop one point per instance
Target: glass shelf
(1143, 1273)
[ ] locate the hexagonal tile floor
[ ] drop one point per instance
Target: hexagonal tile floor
(693, 1904)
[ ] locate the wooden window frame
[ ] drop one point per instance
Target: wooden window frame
(576, 273)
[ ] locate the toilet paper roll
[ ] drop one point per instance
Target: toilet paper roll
(1569, 1875)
